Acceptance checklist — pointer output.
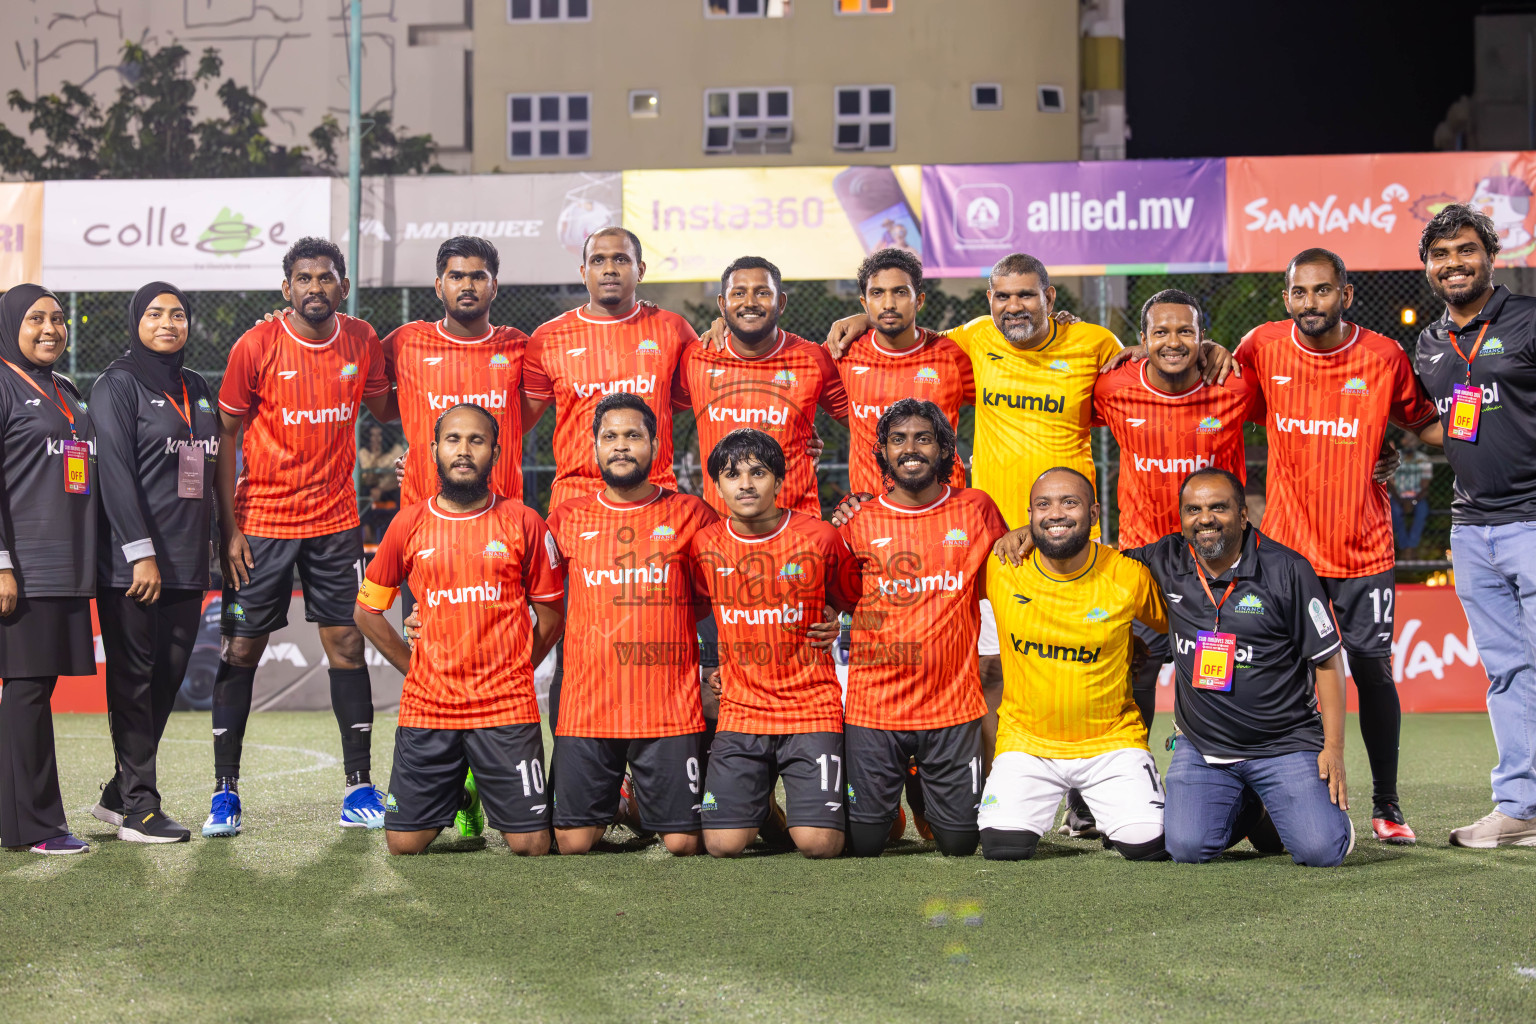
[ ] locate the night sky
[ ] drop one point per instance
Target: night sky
(1261, 78)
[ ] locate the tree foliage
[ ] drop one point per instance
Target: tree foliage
(150, 131)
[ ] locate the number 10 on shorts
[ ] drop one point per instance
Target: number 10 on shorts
(1214, 659)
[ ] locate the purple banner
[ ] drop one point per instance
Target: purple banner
(1090, 217)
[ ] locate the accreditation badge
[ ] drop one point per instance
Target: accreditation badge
(1466, 410)
(77, 467)
(189, 471)
(1215, 658)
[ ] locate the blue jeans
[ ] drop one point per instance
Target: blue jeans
(1409, 536)
(1496, 581)
(1204, 801)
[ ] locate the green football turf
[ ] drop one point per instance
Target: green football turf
(299, 920)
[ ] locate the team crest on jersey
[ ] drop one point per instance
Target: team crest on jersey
(792, 571)
(1251, 605)
(786, 378)
(500, 360)
(1492, 347)
(957, 538)
(662, 532)
(708, 803)
(349, 371)
(202, 403)
(1060, 365)
(1096, 615)
(235, 611)
(927, 375)
(1209, 425)
(647, 346)
(495, 549)
(1356, 386)
(852, 797)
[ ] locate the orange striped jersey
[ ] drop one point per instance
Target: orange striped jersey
(633, 668)
(1165, 437)
(776, 393)
(1327, 413)
(1066, 645)
(1032, 407)
(577, 359)
(766, 591)
(432, 371)
(299, 401)
(473, 575)
(913, 660)
(876, 377)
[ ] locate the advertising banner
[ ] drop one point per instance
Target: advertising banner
(1115, 217)
(812, 222)
(537, 222)
(1370, 209)
(21, 233)
(200, 233)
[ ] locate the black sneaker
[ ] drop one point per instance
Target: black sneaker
(1079, 823)
(110, 807)
(152, 827)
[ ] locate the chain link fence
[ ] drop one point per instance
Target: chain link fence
(1394, 304)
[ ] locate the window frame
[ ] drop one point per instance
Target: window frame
(976, 103)
(762, 11)
(534, 18)
(864, 119)
(762, 122)
(565, 125)
(1040, 105)
(864, 8)
(653, 110)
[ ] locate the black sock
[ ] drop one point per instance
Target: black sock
(1381, 719)
(231, 709)
(1151, 850)
(953, 843)
(352, 702)
(867, 840)
(1006, 844)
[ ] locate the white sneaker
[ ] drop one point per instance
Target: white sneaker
(1495, 829)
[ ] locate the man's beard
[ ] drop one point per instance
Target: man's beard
(464, 493)
(1022, 329)
(1480, 283)
(626, 475)
(770, 327)
(1213, 551)
(1330, 321)
(895, 330)
(313, 318)
(463, 315)
(922, 483)
(1067, 547)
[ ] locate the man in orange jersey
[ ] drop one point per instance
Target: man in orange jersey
(611, 344)
(763, 377)
(1067, 719)
(770, 573)
(290, 396)
(1330, 388)
(913, 685)
(631, 688)
(477, 561)
(460, 358)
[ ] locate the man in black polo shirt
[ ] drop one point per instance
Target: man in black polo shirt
(1478, 362)
(1251, 626)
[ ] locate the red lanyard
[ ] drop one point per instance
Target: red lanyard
(58, 400)
(188, 403)
(1200, 572)
(1475, 347)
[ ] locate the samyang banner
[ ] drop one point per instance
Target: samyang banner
(1371, 209)
(1113, 217)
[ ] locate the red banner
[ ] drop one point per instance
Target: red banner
(1370, 209)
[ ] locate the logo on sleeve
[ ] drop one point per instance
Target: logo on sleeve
(1250, 605)
(1356, 386)
(1320, 617)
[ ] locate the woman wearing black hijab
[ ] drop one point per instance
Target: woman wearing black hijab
(157, 433)
(47, 565)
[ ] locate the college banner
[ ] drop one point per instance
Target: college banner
(198, 233)
(812, 222)
(1370, 209)
(21, 233)
(1113, 217)
(537, 222)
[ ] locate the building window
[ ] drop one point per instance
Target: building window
(863, 6)
(1052, 99)
(549, 126)
(865, 117)
(549, 10)
(986, 96)
(747, 8)
(644, 103)
(748, 120)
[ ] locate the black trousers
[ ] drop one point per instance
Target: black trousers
(31, 809)
(147, 648)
